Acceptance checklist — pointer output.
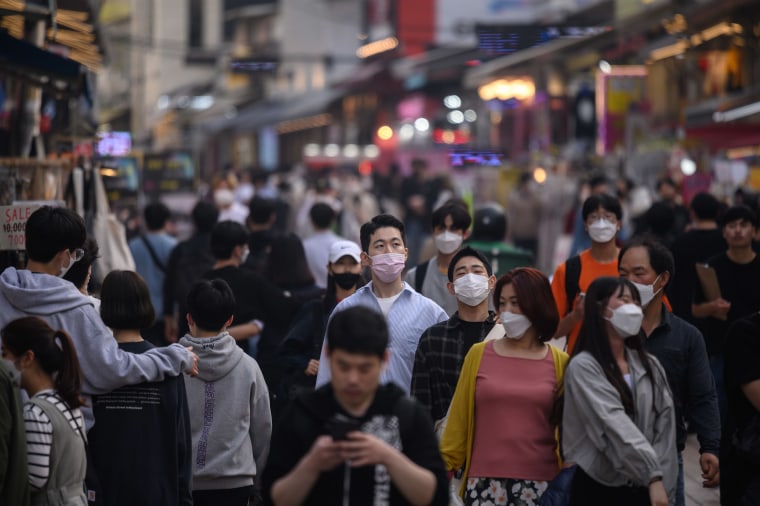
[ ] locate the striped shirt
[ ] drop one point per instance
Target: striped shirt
(409, 316)
(39, 435)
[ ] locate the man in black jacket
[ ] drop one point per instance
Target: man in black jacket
(354, 441)
(680, 348)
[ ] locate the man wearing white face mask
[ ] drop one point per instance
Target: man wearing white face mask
(451, 225)
(601, 217)
(680, 348)
(408, 313)
(443, 346)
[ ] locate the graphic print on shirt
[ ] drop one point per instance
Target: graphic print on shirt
(385, 428)
(208, 419)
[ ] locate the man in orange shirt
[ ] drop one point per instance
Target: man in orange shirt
(601, 219)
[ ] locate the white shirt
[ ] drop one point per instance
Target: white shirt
(317, 249)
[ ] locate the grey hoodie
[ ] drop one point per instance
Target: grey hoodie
(104, 366)
(230, 420)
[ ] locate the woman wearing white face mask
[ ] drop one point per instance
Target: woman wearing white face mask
(501, 423)
(619, 421)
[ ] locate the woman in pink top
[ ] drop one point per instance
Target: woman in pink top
(501, 425)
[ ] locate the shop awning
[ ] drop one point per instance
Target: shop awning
(719, 137)
(271, 113)
(486, 71)
(26, 61)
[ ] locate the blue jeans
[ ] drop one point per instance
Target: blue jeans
(680, 496)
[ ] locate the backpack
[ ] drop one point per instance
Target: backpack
(572, 277)
(419, 276)
(191, 266)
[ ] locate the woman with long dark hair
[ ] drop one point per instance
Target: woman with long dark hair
(619, 420)
(50, 374)
(500, 424)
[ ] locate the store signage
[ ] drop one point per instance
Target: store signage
(167, 173)
(13, 219)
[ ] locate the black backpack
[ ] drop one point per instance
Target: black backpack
(191, 266)
(572, 277)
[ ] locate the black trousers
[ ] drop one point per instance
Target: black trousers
(585, 491)
(223, 497)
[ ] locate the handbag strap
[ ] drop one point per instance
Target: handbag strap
(153, 254)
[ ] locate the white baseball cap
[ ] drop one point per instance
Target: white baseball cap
(340, 249)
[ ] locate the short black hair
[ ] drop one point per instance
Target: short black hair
(210, 304)
(52, 229)
(125, 301)
(380, 221)
(457, 209)
(660, 257)
(321, 215)
(78, 272)
(742, 213)
(605, 201)
(261, 210)
(156, 215)
(225, 236)
(705, 206)
(358, 330)
(666, 180)
(598, 180)
(205, 216)
(468, 252)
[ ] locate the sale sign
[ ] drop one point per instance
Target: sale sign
(13, 220)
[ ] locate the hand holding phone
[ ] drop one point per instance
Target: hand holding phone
(340, 425)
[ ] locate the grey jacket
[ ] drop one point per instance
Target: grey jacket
(230, 420)
(604, 441)
(104, 366)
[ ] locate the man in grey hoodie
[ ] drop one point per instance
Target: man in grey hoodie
(54, 239)
(230, 420)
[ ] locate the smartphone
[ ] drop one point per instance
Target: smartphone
(340, 425)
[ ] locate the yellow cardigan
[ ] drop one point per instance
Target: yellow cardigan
(456, 443)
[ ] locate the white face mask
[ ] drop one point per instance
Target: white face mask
(515, 325)
(64, 270)
(646, 292)
(447, 242)
(471, 289)
(244, 255)
(602, 230)
(626, 320)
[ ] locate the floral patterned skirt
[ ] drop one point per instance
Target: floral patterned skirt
(503, 492)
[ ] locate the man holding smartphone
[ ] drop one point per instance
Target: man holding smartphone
(355, 441)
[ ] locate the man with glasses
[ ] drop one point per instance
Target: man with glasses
(54, 239)
(601, 219)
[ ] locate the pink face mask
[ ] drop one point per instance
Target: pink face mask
(388, 266)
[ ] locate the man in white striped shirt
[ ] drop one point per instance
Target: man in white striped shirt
(407, 312)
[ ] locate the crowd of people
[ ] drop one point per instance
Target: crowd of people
(267, 360)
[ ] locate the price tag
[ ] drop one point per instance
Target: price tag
(13, 219)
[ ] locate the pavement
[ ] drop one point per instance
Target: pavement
(696, 494)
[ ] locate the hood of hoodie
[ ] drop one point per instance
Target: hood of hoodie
(38, 293)
(217, 355)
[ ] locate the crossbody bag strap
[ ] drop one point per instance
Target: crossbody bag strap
(153, 254)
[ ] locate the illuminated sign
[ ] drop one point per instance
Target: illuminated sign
(114, 143)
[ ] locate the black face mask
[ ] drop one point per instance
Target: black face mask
(346, 280)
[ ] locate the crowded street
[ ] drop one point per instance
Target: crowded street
(387, 252)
